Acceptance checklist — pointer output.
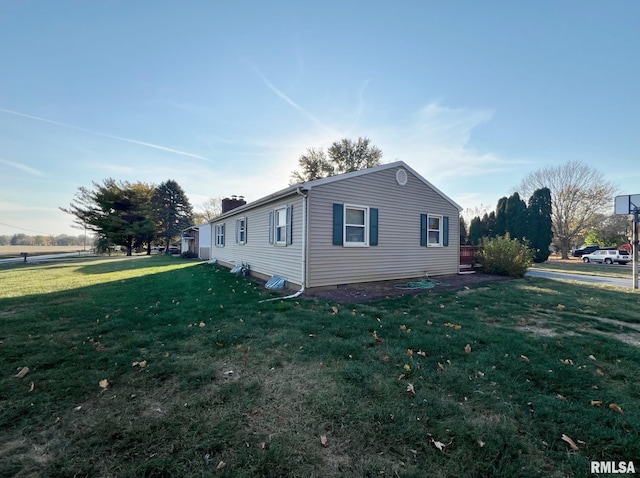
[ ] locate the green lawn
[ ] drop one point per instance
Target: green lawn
(160, 366)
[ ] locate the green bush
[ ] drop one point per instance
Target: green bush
(505, 256)
(189, 255)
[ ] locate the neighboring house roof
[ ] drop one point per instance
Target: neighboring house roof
(319, 182)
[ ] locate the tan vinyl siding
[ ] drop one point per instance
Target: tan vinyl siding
(263, 258)
(399, 253)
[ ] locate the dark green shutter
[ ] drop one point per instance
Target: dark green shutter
(289, 225)
(445, 230)
(423, 229)
(271, 227)
(338, 224)
(373, 227)
(223, 234)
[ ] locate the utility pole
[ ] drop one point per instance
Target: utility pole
(636, 219)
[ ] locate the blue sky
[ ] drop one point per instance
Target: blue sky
(225, 96)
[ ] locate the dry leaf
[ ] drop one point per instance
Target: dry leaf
(429, 322)
(438, 444)
(334, 309)
(407, 367)
(596, 403)
(440, 366)
(560, 307)
(571, 443)
(323, 440)
(592, 358)
(411, 390)
(143, 364)
(525, 358)
(403, 327)
(481, 443)
(421, 353)
(480, 374)
(202, 324)
(567, 361)
(104, 383)
(467, 348)
(23, 371)
(615, 407)
(221, 465)
(410, 352)
(32, 386)
(262, 445)
(375, 336)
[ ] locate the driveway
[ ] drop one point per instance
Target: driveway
(600, 280)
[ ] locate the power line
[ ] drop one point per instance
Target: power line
(23, 229)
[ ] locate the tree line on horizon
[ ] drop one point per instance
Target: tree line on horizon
(22, 239)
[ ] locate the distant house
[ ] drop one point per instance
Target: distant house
(381, 223)
(197, 240)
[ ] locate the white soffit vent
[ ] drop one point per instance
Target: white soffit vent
(401, 177)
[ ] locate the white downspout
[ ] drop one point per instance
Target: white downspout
(304, 250)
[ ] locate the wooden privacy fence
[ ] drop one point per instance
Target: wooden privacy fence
(468, 256)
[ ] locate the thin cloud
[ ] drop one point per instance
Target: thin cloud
(292, 103)
(110, 136)
(22, 167)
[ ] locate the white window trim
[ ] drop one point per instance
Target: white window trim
(219, 235)
(346, 243)
(440, 231)
(283, 240)
(242, 227)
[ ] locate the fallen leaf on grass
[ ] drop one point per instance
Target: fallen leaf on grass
(262, 445)
(467, 348)
(32, 386)
(591, 357)
(142, 364)
(567, 361)
(323, 440)
(202, 325)
(411, 390)
(21, 374)
(571, 443)
(438, 444)
(440, 366)
(334, 309)
(403, 327)
(525, 358)
(596, 403)
(615, 407)
(599, 372)
(421, 353)
(560, 307)
(407, 367)
(221, 465)
(104, 383)
(410, 352)
(375, 336)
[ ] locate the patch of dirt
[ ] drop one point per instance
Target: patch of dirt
(387, 289)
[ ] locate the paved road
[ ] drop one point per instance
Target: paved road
(45, 257)
(613, 281)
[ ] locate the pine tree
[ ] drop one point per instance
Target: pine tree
(540, 224)
(172, 211)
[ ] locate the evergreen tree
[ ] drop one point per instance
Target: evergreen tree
(172, 210)
(500, 225)
(515, 213)
(540, 225)
(476, 231)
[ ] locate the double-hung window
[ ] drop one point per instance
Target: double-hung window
(219, 234)
(241, 230)
(434, 230)
(280, 225)
(356, 226)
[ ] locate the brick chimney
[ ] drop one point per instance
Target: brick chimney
(233, 202)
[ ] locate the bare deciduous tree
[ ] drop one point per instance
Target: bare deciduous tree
(578, 194)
